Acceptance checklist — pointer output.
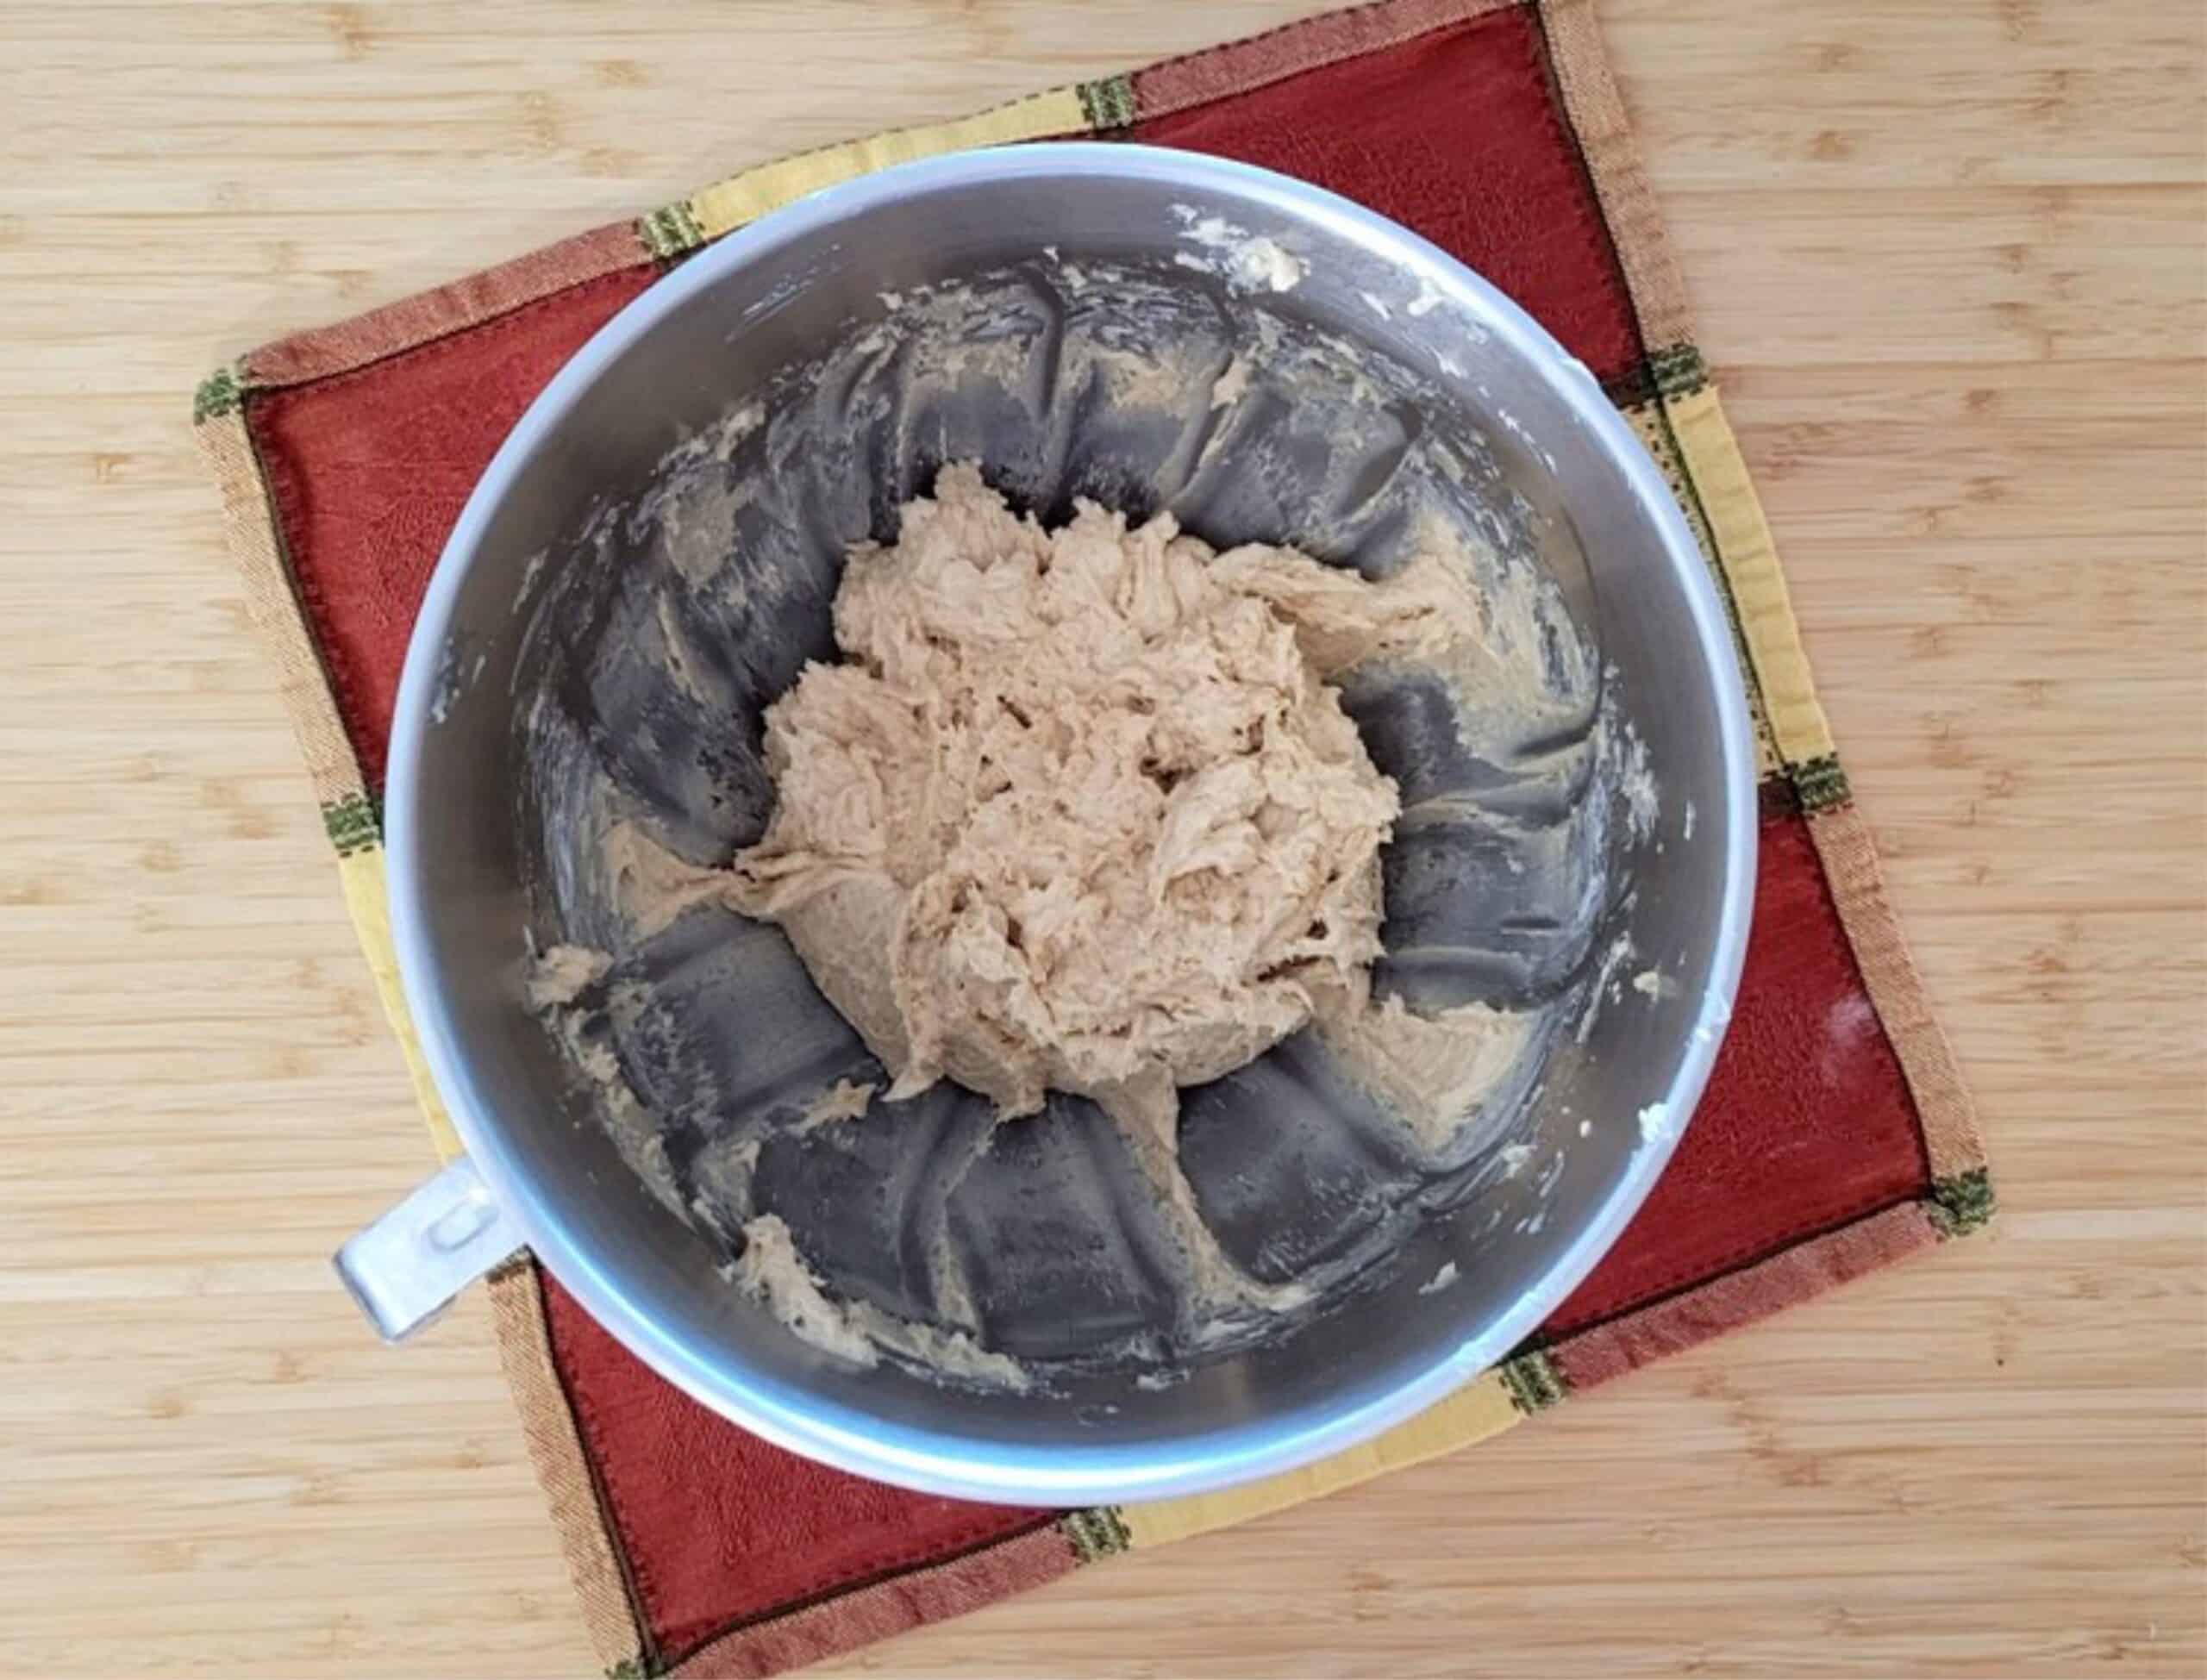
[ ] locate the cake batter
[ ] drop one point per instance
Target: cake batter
(1079, 810)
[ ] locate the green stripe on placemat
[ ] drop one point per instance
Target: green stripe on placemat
(1109, 104)
(1821, 783)
(219, 394)
(1677, 370)
(1532, 1382)
(352, 825)
(1094, 1534)
(670, 232)
(1963, 1203)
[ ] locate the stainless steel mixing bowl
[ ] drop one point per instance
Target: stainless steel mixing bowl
(1560, 478)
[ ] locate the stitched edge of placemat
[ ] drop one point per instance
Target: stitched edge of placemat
(1672, 402)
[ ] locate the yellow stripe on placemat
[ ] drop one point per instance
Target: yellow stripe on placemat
(1749, 558)
(1654, 428)
(741, 199)
(362, 873)
(1473, 1413)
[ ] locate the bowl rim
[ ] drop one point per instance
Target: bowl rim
(933, 1459)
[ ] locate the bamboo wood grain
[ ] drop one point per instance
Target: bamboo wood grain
(1948, 265)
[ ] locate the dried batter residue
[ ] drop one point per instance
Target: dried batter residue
(1247, 261)
(846, 1099)
(771, 1268)
(562, 973)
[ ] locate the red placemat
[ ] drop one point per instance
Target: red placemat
(1834, 1136)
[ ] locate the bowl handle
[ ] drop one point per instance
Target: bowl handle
(403, 1270)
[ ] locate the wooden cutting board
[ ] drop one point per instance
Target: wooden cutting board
(1948, 263)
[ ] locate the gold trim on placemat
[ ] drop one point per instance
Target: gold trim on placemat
(555, 1448)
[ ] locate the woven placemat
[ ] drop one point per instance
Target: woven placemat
(1834, 1136)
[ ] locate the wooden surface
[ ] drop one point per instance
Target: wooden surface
(1949, 270)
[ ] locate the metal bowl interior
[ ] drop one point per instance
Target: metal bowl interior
(1571, 490)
